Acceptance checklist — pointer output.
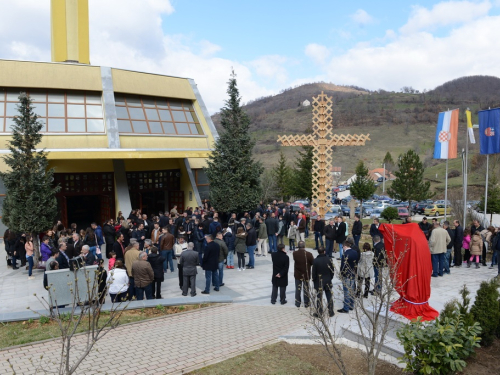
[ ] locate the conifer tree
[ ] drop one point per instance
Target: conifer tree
(388, 161)
(301, 182)
(233, 174)
(363, 186)
(30, 204)
(409, 184)
(282, 173)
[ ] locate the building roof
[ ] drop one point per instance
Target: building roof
(379, 172)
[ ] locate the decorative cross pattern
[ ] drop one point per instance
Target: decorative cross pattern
(322, 140)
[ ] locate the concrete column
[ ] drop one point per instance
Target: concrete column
(122, 196)
(108, 97)
(192, 180)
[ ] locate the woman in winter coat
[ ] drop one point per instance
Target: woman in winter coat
(293, 234)
(365, 270)
(30, 249)
(20, 250)
(240, 245)
(45, 250)
(118, 282)
(476, 248)
(229, 240)
(466, 244)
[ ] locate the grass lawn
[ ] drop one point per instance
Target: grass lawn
(288, 359)
(19, 333)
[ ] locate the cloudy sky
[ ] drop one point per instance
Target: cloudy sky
(275, 44)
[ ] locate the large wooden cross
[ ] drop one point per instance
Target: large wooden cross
(322, 139)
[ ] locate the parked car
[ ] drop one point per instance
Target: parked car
(342, 187)
(376, 213)
(403, 212)
(418, 207)
(436, 210)
(381, 179)
(442, 202)
(335, 189)
(346, 211)
(305, 202)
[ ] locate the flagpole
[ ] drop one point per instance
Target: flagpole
(466, 180)
(486, 188)
(446, 190)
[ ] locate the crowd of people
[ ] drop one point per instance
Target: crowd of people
(141, 250)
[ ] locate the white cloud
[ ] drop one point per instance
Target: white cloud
(317, 53)
(128, 34)
(361, 17)
(444, 14)
(421, 59)
(271, 67)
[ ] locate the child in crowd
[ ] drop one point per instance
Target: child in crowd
(476, 248)
(466, 244)
(112, 260)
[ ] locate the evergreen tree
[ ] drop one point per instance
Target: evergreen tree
(409, 184)
(282, 174)
(363, 186)
(301, 185)
(388, 161)
(233, 174)
(30, 204)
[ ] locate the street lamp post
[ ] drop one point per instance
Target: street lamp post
(383, 181)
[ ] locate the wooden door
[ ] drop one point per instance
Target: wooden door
(106, 212)
(63, 209)
(176, 198)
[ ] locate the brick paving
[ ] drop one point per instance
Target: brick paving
(171, 345)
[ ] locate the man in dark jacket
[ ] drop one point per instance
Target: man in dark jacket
(210, 263)
(319, 228)
(340, 234)
(109, 237)
(303, 261)
(357, 229)
(189, 261)
(156, 261)
(322, 275)
(379, 262)
(63, 258)
(425, 227)
(251, 243)
(140, 235)
(457, 244)
(330, 232)
(281, 263)
(348, 272)
(224, 250)
(449, 247)
(272, 227)
(374, 229)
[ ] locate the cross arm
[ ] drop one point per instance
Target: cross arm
(297, 140)
(348, 140)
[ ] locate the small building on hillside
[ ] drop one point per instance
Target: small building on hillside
(376, 173)
(306, 103)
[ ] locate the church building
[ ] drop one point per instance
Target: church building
(117, 139)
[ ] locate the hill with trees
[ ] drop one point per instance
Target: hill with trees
(396, 121)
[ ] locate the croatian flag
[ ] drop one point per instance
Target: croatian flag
(445, 146)
(489, 131)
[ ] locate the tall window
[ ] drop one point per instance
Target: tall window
(202, 183)
(59, 111)
(149, 115)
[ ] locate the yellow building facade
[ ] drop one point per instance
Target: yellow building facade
(117, 139)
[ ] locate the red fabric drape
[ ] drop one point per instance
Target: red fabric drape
(413, 282)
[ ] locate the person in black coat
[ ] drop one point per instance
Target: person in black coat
(281, 263)
(156, 262)
(322, 276)
(340, 236)
(140, 235)
(210, 263)
(357, 229)
(379, 262)
(348, 271)
(119, 246)
(251, 243)
(330, 234)
(63, 258)
(374, 229)
(457, 244)
(109, 236)
(319, 228)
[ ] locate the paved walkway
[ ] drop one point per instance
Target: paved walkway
(198, 338)
(170, 345)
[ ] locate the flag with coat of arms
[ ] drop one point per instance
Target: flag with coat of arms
(489, 131)
(445, 146)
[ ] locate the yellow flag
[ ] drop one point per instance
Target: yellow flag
(469, 127)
